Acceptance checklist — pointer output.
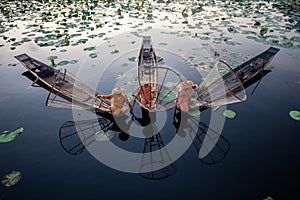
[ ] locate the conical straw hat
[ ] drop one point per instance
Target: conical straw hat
(118, 90)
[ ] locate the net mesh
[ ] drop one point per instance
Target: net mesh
(67, 89)
(74, 136)
(163, 92)
(220, 87)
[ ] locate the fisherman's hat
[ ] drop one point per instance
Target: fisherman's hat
(118, 90)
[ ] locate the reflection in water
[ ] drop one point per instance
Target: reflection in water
(149, 160)
(75, 136)
(211, 146)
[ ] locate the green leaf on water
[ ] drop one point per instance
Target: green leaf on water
(169, 84)
(104, 136)
(268, 198)
(89, 48)
(52, 60)
(129, 97)
(82, 41)
(8, 136)
(11, 179)
(269, 67)
(229, 114)
(295, 114)
(263, 30)
(114, 52)
(216, 108)
(62, 63)
(73, 61)
(124, 65)
(163, 44)
(132, 59)
(93, 55)
(194, 112)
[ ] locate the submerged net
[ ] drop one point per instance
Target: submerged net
(75, 136)
(220, 87)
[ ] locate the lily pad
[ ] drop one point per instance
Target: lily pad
(167, 96)
(295, 114)
(216, 108)
(129, 97)
(82, 41)
(11, 179)
(124, 65)
(114, 52)
(52, 60)
(63, 50)
(93, 55)
(229, 114)
(169, 84)
(194, 112)
(62, 63)
(8, 136)
(104, 136)
(73, 62)
(132, 59)
(89, 48)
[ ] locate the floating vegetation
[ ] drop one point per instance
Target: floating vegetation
(132, 59)
(167, 96)
(62, 63)
(295, 114)
(194, 112)
(63, 50)
(104, 136)
(216, 108)
(93, 55)
(11, 179)
(221, 18)
(130, 96)
(114, 52)
(89, 48)
(8, 136)
(73, 61)
(52, 60)
(124, 65)
(229, 114)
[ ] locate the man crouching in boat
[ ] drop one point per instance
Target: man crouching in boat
(118, 99)
(184, 97)
(146, 92)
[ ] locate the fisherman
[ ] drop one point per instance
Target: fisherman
(119, 98)
(184, 96)
(146, 92)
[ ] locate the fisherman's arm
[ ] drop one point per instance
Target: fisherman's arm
(109, 96)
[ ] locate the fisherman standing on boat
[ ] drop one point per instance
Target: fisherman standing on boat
(118, 99)
(184, 96)
(146, 92)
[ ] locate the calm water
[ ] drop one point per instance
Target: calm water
(263, 159)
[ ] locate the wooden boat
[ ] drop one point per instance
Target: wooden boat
(65, 90)
(228, 87)
(249, 69)
(147, 74)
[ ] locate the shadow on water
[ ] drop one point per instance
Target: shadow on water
(76, 136)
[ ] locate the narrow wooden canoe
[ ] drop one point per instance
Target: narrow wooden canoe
(65, 90)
